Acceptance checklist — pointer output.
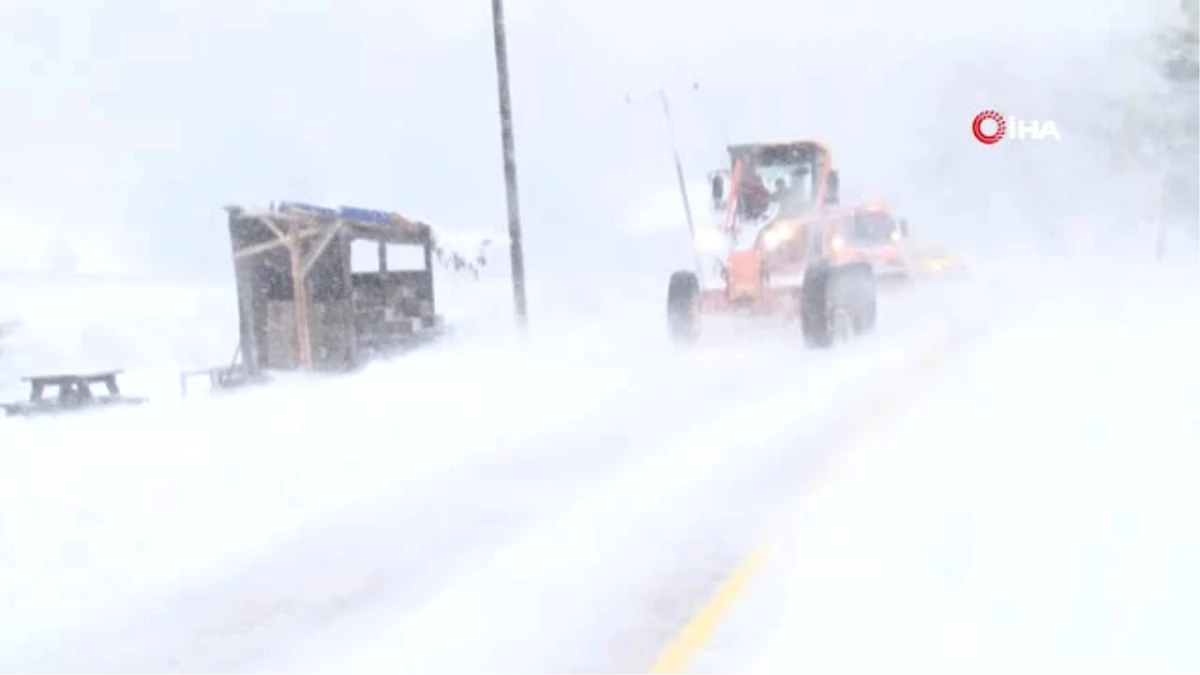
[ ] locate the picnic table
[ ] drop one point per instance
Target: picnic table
(70, 391)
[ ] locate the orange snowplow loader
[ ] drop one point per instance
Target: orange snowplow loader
(745, 269)
(746, 288)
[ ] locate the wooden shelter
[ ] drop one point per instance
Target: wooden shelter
(326, 289)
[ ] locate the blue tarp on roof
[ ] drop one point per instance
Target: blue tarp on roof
(365, 215)
(312, 209)
(350, 213)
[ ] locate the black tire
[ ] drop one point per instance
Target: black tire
(836, 302)
(814, 308)
(861, 295)
(683, 307)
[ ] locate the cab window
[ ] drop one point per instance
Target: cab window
(871, 227)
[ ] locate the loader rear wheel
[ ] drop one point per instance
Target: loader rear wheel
(814, 308)
(860, 295)
(683, 307)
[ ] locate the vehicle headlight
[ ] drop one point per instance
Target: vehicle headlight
(773, 238)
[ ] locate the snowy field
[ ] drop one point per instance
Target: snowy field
(569, 503)
(485, 439)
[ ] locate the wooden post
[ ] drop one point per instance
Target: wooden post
(427, 243)
(345, 245)
(300, 298)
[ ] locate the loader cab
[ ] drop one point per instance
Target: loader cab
(786, 180)
(872, 226)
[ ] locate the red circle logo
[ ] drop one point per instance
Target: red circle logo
(980, 134)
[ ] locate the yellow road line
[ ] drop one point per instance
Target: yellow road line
(698, 633)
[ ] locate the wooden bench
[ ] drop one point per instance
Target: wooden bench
(220, 378)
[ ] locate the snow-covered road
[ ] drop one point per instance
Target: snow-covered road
(565, 505)
(1031, 510)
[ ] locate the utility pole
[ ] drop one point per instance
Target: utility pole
(687, 207)
(683, 194)
(510, 167)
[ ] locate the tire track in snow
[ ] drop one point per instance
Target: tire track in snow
(694, 636)
(578, 593)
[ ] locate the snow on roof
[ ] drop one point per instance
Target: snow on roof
(457, 244)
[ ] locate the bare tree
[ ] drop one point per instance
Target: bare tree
(1180, 48)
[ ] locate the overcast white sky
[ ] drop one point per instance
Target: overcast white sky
(127, 125)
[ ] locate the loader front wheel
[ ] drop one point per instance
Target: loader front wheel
(683, 307)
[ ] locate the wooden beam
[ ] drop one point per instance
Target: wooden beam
(321, 246)
(300, 298)
(269, 221)
(255, 249)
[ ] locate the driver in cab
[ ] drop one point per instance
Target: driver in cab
(756, 199)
